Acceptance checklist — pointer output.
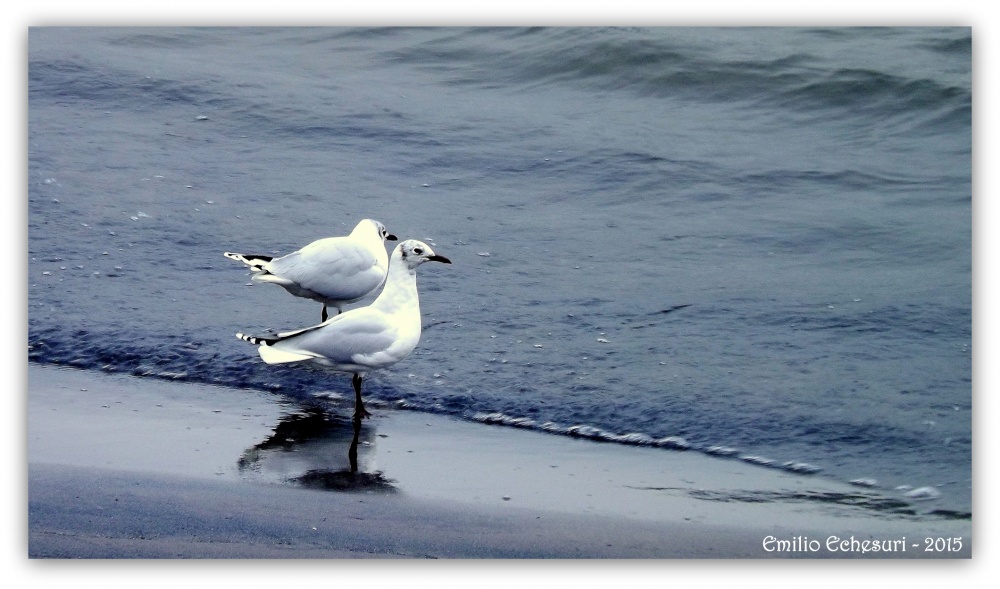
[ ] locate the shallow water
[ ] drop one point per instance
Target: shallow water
(746, 241)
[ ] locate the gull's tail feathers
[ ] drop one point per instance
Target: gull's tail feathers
(270, 354)
(255, 261)
(259, 340)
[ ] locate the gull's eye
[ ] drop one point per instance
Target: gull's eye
(418, 250)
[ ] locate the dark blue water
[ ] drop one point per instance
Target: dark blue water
(747, 239)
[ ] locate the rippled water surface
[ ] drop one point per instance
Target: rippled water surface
(751, 242)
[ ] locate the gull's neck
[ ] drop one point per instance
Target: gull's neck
(400, 292)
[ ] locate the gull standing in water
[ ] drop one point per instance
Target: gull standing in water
(366, 338)
(334, 271)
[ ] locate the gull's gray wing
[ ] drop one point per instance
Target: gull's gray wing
(337, 268)
(342, 339)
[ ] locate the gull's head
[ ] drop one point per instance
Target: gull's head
(373, 225)
(413, 253)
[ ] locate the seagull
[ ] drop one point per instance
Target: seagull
(365, 338)
(334, 271)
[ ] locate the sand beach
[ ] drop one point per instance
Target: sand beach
(122, 467)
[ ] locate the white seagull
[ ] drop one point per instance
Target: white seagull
(334, 271)
(362, 339)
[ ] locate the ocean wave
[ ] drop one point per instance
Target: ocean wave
(677, 63)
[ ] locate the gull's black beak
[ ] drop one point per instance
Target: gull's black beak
(437, 258)
(391, 237)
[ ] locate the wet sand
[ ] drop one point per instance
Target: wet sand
(122, 467)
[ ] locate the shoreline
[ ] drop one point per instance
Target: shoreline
(243, 474)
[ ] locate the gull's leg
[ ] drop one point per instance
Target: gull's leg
(326, 313)
(359, 406)
(352, 452)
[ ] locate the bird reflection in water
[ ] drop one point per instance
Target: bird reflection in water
(308, 449)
